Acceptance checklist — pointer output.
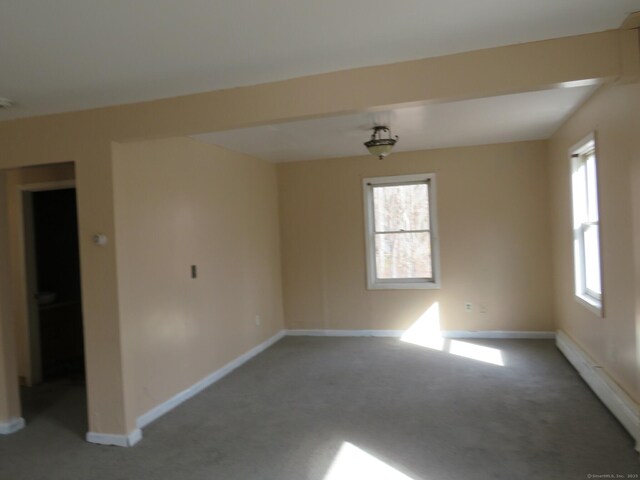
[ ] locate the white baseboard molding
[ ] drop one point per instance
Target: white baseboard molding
(156, 412)
(12, 426)
(344, 333)
(497, 334)
(117, 440)
(622, 406)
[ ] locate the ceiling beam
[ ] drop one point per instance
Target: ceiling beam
(567, 61)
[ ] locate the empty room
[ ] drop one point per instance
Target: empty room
(326, 240)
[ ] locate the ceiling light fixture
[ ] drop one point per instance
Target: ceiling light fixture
(379, 146)
(5, 103)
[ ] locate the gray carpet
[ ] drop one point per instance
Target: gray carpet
(285, 415)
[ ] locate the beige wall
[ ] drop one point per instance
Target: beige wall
(492, 204)
(613, 113)
(17, 180)
(179, 203)
(9, 397)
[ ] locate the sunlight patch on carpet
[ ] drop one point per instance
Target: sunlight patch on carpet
(352, 462)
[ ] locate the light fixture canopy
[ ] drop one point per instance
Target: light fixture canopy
(378, 145)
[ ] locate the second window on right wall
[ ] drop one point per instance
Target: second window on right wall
(586, 224)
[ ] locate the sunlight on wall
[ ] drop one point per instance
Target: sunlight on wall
(426, 332)
(352, 462)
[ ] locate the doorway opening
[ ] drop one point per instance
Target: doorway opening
(51, 235)
(53, 292)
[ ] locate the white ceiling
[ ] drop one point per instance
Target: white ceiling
(508, 118)
(68, 55)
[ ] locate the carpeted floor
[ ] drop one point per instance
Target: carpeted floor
(348, 408)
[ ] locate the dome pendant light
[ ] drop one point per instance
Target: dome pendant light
(378, 146)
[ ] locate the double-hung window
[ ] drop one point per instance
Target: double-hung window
(401, 232)
(586, 224)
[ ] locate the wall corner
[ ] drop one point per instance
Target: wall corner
(629, 55)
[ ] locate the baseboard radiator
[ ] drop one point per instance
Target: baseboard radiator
(622, 406)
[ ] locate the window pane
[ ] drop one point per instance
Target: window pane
(592, 259)
(579, 187)
(592, 191)
(403, 255)
(401, 207)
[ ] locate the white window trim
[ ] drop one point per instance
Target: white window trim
(582, 295)
(373, 283)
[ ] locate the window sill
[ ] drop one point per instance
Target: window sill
(590, 304)
(403, 285)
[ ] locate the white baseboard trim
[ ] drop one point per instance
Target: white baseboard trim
(344, 333)
(496, 334)
(12, 426)
(622, 406)
(117, 440)
(156, 412)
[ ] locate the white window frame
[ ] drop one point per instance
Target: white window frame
(579, 191)
(375, 283)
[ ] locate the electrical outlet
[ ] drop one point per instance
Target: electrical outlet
(258, 320)
(483, 309)
(468, 306)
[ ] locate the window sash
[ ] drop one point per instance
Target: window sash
(418, 261)
(378, 233)
(377, 186)
(583, 255)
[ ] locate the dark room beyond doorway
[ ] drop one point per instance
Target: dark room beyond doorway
(56, 287)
